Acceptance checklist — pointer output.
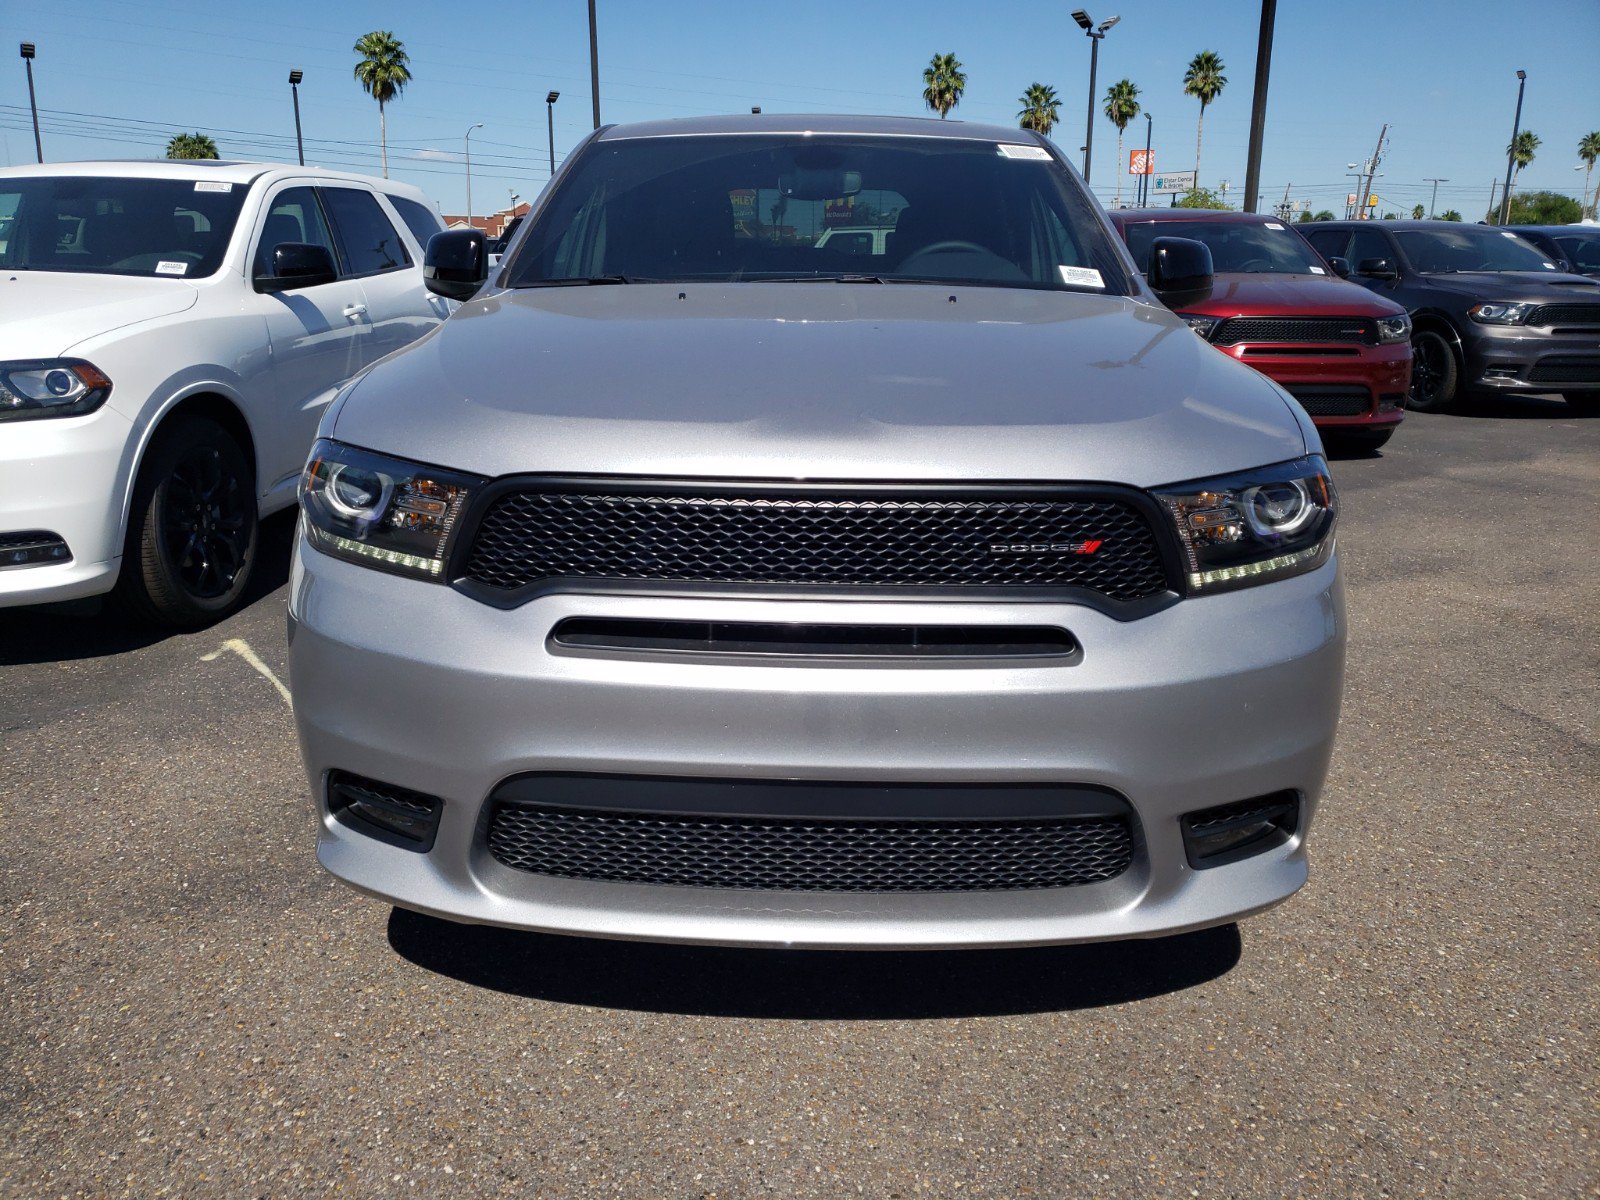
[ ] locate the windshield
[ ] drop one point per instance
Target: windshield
(1446, 251)
(1265, 248)
(175, 228)
(762, 207)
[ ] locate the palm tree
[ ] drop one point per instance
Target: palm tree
(1122, 106)
(1589, 150)
(1521, 151)
(1204, 81)
(383, 72)
(1041, 108)
(944, 81)
(192, 145)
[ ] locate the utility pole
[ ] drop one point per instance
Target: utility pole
(1511, 151)
(468, 141)
(1258, 106)
(1283, 209)
(1494, 186)
(1372, 173)
(594, 64)
(1433, 203)
(27, 59)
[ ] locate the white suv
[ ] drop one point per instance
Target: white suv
(170, 333)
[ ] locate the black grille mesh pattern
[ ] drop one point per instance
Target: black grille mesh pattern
(1333, 402)
(1566, 314)
(533, 535)
(790, 854)
(1566, 371)
(1295, 329)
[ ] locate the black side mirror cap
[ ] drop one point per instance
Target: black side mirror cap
(297, 265)
(1378, 268)
(456, 263)
(1340, 266)
(1563, 265)
(1180, 271)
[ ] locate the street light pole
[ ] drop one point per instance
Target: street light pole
(550, 112)
(294, 86)
(1433, 201)
(594, 64)
(27, 59)
(468, 141)
(1095, 34)
(1511, 150)
(1258, 106)
(1144, 180)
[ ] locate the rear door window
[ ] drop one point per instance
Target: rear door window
(369, 244)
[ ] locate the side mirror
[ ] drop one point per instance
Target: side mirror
(1563, 265)
(297, 265)
(1341, 266)
(1180, 271)
(456, 263)
(1378, 268)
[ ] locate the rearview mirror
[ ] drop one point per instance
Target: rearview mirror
(1341, 266)
(297, 265)
(819, 183)
(456, 263)
(1180, 271)
(1378, 268)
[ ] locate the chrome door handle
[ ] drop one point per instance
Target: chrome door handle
(355, 311)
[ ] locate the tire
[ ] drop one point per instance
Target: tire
(1435, 374)
(1362, 441)
(1583, 401)
(192, 533)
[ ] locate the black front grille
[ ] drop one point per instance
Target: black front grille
(1331, 401)
(1566, 370)
(535, 535)
(1582, 316)
(1295, 329)
(809, 855)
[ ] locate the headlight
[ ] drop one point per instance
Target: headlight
(1254, 527)
(1394, 329)
(1201, 325)
(1500, 314)
(50, 387)
(382, 512)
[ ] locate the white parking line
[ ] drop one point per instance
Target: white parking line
(242, 648)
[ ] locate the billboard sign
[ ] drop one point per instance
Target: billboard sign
(1141, 162)
(1171, 182)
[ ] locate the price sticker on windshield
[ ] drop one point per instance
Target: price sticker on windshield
(1030, 153)
(172, 268)
(1081, 277)
(211, 185)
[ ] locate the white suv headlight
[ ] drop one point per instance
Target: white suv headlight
(50, 387)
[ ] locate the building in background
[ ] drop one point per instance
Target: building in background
(493, 225)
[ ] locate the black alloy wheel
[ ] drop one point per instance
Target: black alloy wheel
(1434, 374)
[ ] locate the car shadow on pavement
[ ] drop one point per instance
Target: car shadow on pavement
(811, 984)
(96, 629)
(1520, 408)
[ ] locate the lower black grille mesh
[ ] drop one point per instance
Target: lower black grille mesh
(774, 536)
(789, 854)
(1333, 401)
(1566, 371)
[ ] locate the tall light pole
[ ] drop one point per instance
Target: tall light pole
(594, 64)
(1144, 180)
(1434, 199)
(1095, 35)
(1511, 150)
(294, 86)
(468, 141)
(1258, 107)
(550, 113)
(27, 58)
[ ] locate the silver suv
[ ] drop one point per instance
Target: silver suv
(697, 582)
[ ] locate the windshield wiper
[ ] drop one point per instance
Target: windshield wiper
(583, 280)
(815, 279)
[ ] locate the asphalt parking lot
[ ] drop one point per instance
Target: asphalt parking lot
(192, 1008)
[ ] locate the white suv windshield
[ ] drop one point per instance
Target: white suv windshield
(765, 207)
(175, 228)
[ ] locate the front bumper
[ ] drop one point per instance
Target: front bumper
(1207, 702)
(1382, 374)
(1519, 358)
(65, 476)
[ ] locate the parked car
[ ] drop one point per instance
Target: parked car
(953, 595)
(856, 239)
(170, 333)
(1342, 352)
(1578, 246)
(1489, 312)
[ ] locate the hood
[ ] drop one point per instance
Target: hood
(45, 313)
(820, 381)
(1253, 294)
(1549, 287)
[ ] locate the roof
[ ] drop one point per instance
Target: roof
(219, 170)
(801, 123)
(1193, 214)
(1407, 223)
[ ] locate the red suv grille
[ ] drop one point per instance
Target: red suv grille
(1234, 330)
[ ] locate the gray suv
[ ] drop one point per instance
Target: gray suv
(701, 581)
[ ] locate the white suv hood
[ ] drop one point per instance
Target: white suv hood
(44, 314)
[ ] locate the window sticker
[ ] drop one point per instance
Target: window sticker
(1031, 153)
(1318, 271)
(1549, 266)
(1273, 225)
(172, 268)
(1081, 277)
(211, 185)
(1509, 234)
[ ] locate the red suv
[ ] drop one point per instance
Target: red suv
(1342, 352)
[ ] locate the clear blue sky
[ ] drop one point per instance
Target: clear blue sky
(117, 78)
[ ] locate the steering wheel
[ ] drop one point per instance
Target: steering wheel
(1256, 265)
(951, 246)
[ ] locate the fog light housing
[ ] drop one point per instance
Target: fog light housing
(1214, 837)
(391, 814)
